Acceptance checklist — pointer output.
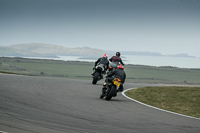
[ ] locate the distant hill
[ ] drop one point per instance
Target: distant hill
(142, 53)
(46, 50)
(53, 51)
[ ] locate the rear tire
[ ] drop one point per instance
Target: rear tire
(111, 93)
(95, 78)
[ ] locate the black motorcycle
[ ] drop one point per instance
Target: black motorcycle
(111, 90)
(98, 73)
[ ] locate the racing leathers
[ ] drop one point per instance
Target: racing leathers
(117, 73)
(104, 61)
(116, 59)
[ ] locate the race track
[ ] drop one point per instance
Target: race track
(57, 105)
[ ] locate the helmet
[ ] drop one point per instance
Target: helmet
(118, 53)
(120, 67)
(105, 56)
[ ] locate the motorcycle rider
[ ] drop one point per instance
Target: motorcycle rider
(102, 60)
(116, 58)
(117, 73)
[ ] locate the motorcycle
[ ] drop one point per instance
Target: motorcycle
(111, 90)
(98, 73)
(112, 66)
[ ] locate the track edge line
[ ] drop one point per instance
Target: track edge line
(123, 93)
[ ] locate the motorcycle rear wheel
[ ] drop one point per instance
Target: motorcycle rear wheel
(95, 78)
(111, 92)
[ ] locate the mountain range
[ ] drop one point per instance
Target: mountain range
(53, 51)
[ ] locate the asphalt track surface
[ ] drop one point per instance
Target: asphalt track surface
(57, 105)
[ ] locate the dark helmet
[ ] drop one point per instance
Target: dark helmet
(118, 54)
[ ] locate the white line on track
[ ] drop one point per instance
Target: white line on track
(123, 93)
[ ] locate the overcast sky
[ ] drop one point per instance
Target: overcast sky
(164, 26)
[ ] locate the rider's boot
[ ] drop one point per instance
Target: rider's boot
(115, 94)
(93, 71)
(103, 90)
(121, 88)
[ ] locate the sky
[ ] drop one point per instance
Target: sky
(163, 26)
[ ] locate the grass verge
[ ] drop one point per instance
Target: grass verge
(83, 70)
(183, 100)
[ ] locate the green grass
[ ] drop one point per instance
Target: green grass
(166, 75)
(51, 68)
(83, 70)
(183, 100)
